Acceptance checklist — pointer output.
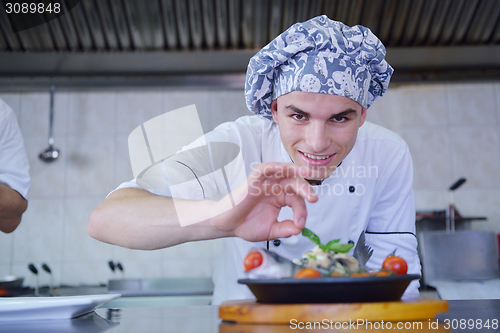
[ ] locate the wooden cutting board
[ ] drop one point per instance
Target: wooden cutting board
(252, 312)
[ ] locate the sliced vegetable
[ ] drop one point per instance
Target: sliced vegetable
(253, 260)
(307, 273)
(396, 264)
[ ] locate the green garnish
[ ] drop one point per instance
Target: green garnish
(331, 246)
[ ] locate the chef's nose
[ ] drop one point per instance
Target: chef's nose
(317, 137)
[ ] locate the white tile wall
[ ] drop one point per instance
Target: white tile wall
(431, 155)
(423, 105)
(471, 104)
(453, 131)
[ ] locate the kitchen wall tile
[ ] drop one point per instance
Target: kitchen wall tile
(89, 165)
(423, 105)
(226, 105)
(196, 267)
(5, 248)
(39, 236)
(89, 273)
(174, 99)
(35, 110)
(136, 107)
(47, 178)
(472, 103)
(431, 154)
(122, 166)
(426, 199)
(78, 245)
(122, 254)
(14, 101)
(188, 251)
(475, 202)
(92, 113)
(388, 110)
(476, 155)
(134, 269)
(5, 270)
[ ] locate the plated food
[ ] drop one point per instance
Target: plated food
(326, 274)
(324, 260)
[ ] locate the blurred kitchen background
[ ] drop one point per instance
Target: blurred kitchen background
(117, 64)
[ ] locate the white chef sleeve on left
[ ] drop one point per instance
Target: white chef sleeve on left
(392, 222)
(14, 167)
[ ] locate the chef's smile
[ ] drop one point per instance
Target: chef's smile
(317, 130)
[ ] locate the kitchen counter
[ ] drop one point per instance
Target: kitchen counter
(204, 318)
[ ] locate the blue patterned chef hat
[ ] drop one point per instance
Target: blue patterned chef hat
(322, 56)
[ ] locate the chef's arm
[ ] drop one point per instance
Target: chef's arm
(12, 207)
(138, 219)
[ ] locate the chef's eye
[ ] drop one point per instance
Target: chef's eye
(298, 117)
(339, 119)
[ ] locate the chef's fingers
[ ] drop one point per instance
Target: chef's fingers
(284, 229)
(299, 209)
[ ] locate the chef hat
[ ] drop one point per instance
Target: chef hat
(322, 56)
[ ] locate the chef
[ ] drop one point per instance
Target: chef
(308, 155)
(14, 171)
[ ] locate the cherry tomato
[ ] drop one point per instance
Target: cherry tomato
(253, 260)
(307, 273)
(396, 264)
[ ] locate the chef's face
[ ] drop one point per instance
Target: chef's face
(317, 130)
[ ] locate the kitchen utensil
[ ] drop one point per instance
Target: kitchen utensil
(50, 154)
(362, 252)
(450, 212)
(46, 268)
(33, 269)
(251, 312)
(330, 290)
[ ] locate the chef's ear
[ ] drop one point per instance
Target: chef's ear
(274, 110)
(363, 117)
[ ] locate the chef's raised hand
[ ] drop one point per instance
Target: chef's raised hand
(269, 187)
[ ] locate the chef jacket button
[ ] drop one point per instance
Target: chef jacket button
(276, 242)
(352, 189)
(350, 242)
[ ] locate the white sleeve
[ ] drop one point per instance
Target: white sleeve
(392, 223)
(14, 166)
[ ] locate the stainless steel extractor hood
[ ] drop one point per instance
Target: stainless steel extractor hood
(158, 40)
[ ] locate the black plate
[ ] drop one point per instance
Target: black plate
(330, 290)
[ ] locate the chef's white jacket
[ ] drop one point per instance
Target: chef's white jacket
(14, 167)
(370, 191)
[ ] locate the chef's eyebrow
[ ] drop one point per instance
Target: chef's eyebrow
(344, 113)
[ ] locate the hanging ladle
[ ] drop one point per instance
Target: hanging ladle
(50, 154)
